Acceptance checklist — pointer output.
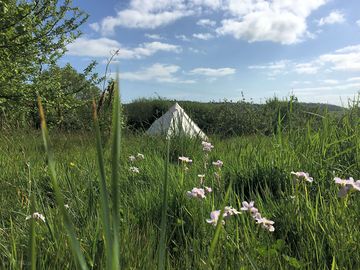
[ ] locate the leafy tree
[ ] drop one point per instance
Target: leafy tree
(33, 35)
(67, 95)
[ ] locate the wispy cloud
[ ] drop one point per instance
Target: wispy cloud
(213, 72)
(306, 68)
(346, 59)
(103, 47)
(335, 16)
(203, 36)
(154, 36)
(353, 79)
(330, 81)
(206, 23)
(182, 37)
(157, 72)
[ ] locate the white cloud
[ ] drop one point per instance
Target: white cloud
(156, 72)
(94, 26)
(277, 20)
(206, 23)
(334, 17)
(274, 68)
(93, 47)
(330, 81)
(300, 82)
(358, 22)
(193, 50)
(146, 14)
(282, 21)
(154, 36)
(345, 59)
(348, 86)
(103, 47)
(213, 72)
(213, 4)
(306, 68)
(182, 37)
(353, 79)
(203, 36)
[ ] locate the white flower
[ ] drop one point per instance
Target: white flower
(356, 185)
(134, 169)
(266, 223)
(346, 185)
(140, 156)
(218, 164)
(185, 159)
(196, 193)
(249, 207)
(36, 216)
(66, 206)
(302, 176)
(214, 217)
(132, 158)
(208, 189)
(229, 211)
(201, 178)
(207, 146)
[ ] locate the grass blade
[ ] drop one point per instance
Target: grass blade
(32, 234)
(74, 243)
(162, 242)
(215, 239)
(116, 137)
(105, 211)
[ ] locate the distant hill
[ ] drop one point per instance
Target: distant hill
(322, 106)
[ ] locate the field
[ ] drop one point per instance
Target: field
(314, 228)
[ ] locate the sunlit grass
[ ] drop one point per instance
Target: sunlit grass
(145, 220)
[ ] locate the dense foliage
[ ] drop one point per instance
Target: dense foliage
(229, 118)
(33, 36)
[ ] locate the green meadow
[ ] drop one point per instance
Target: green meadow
(99, 214)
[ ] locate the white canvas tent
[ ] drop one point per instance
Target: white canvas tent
(175, 122)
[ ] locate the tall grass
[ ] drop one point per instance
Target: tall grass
(117, 218)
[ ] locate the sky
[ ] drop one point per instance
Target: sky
(211, 50)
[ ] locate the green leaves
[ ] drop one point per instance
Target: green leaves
(33, 35)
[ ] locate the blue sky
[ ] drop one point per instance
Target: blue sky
(216, 49)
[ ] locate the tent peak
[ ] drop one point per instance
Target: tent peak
(175, 122)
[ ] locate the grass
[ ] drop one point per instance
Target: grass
(313, 230)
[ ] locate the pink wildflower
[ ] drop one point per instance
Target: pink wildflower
(196, 193)
(207, 146)
(249, 207)
(214, 217)
(346, 185)
(302, 176)
(266, 223)
(229, 211)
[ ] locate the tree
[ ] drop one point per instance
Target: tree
(67, 95)
(33, 35)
